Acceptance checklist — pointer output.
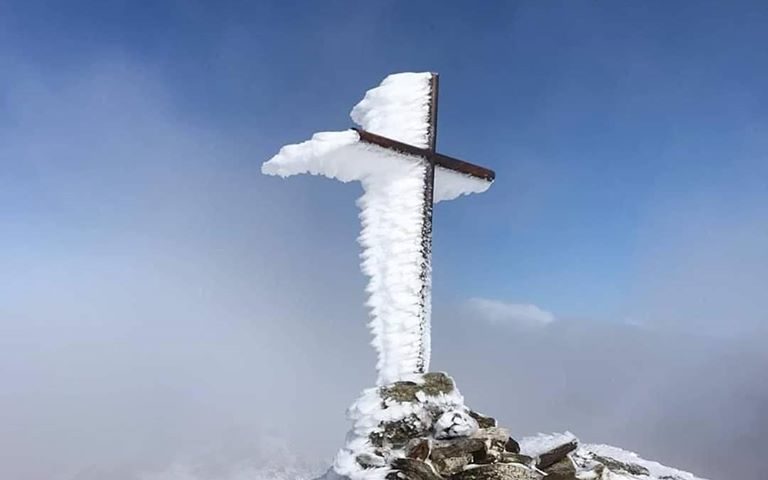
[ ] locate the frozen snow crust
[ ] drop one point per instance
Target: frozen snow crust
(390, 212)
(420, 429)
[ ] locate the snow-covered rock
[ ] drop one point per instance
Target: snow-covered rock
(548, 449)
(612, 463)
(420, 429)
(388, 418)
(454, 424)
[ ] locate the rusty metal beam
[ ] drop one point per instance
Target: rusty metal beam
(438, 158)
(427, 207)
(434, 90)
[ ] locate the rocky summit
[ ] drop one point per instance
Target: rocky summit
(420, 429)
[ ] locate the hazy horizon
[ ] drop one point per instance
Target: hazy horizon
(167, 312)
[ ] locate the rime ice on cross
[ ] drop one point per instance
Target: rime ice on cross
(393, 155)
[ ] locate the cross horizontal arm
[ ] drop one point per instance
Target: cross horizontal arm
(439, 159)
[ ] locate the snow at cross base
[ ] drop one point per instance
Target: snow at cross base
(424, 420)
(412, 425)
(390, 211)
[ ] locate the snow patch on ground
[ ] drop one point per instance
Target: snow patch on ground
(536, 445)
(655, 470)
(621, 464)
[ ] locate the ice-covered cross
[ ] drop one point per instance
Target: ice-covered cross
(393, 156)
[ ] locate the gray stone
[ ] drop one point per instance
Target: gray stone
(621, 467)
(497, 435)
(397, 434)
(454, 424)
(418, 448)
(411, 469)
(448, 465)
(366, 460)
(555, 455)
(498, 471)
(483, 421)
(495, 439)
(435, 383)
(402, 392)
(451, 457)
(512, 446)
(491, 456)
(562, 470)
(511, 457)
(459, 445)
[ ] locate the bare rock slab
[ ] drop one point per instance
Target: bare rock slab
(455, 456)
(562, 470)
(556, 454)
(498, 471)
(483, 421)
(411, 469)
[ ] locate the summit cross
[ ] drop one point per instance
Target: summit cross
(395, 158)
(431, 159)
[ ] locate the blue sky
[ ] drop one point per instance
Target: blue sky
(154, 283)
(599, 117)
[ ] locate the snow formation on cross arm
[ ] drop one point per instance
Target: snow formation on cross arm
(390, 208)
(398, 109)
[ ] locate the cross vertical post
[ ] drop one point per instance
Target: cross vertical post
(426, 230)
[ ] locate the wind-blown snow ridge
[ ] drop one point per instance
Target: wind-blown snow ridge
(626, 465)
(390, 211)
(623, 464)
(588, 452)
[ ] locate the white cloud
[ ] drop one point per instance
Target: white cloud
(503, 313)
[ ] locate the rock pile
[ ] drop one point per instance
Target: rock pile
(420, 429)
(488, 452)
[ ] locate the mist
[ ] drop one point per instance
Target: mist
(167, 312)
